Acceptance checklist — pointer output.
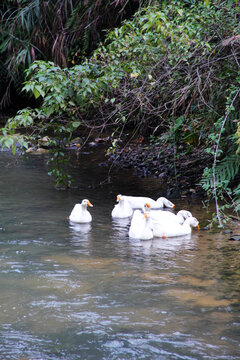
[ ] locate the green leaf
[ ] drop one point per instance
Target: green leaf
(49, 110)
(36, 93)
(14, 148)
(180, 12)
(76, 124)
(8, 142)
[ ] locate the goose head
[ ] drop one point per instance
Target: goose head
(122, 199)
(86, 203)
(183, 215)
(162, 201)
(147, 216)
(146, 208)
(119, 198)
(192, 221)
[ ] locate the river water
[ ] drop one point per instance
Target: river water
(89, 292)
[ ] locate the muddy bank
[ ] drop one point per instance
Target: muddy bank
(180, 173)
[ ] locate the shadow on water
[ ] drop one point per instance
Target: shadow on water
(86, 291)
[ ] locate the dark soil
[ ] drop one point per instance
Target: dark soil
(181, 172)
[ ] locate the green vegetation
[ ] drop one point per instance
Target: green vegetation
(171, 73)
(63, 31)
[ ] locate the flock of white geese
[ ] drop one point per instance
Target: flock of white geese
(147, 221)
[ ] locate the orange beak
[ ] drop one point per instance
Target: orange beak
(89, 204)
(164, 236)
(174, 206)
(118, 198)
(148, 205)
(198, 227)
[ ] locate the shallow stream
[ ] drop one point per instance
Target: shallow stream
(89, 292)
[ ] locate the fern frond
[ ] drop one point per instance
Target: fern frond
(225, 171)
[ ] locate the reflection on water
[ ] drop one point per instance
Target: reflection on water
(79, 232)
(120, 228)
(86, 291)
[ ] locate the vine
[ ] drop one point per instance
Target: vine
(218, 178)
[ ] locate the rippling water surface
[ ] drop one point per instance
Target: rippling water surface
(89, 292)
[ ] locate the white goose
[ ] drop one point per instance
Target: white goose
(80, 214)
(171, 229)
(140, 227)
(138, 202)
(122, 209)
(163, 216)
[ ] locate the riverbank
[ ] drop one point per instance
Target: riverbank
(180, 172)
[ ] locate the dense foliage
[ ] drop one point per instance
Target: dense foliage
(170, 73)
(63, 31)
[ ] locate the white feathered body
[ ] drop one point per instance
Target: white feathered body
(162, 216)
(80, 214)
(138, 202)
(140, 227)
(170, 229)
